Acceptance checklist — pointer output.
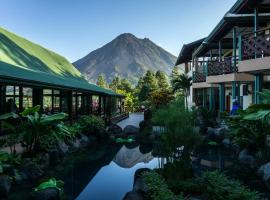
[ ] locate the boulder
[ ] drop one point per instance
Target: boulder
(264, 172)
(5, 185)
(32, 171)
(62, 148)
(114, 129)
(226, 142)
(145, 124)
(131, 130)
(76, 145)
(133, 195)
(245, 158)
(215, 134)
(47, 194)
(84, 140)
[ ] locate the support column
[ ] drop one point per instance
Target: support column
(219, 51)
(204, 98)
(69, 101)
(221, 97)
(256, 21)
(258, 87)
(211, 99)
(99, 105)
(234, 83)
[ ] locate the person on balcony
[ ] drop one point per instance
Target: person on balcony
(235, 107)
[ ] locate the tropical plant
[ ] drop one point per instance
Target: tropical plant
(157, 188)
(92, 125)
(51, 183)
(218, 186)
(160, 98)
(179, 136)
(6, 160)
(250, 127)
(182, 83)
(35, 127)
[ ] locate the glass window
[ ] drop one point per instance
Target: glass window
(47, 101)
(95, 104)
(12, 101)
(27, 98)
(51, 101)
(56, 101)
(64, 101)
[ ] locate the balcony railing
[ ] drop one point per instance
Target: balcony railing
(225, 66)
(256, 45)
(198, 77)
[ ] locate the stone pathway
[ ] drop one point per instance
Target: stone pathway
(134, 119)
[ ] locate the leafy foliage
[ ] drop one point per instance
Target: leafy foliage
(35, 129)
(179, 137)
(182, 83)
(92, 125)
(161, 98)
(51, 183)
(101, 81)
(157, 188)
(250, 127)
(217, 186)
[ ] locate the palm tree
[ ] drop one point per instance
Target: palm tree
(182, 83)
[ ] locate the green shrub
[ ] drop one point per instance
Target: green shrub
(217, 186)
(37, 130)
(51, 183)
(178, 125)
(92, 125)
(157, 188)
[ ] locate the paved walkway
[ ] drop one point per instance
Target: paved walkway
(134, 119)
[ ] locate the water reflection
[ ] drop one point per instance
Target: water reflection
(116, 179)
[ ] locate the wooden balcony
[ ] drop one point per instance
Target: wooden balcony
(199, 77)
(255, 53)
(256, 45)
(215, 68)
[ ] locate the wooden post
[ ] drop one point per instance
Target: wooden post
(221, 97)
(69, 101)
(219, 51)
(234, 84)
(258, 87)
(99, 105)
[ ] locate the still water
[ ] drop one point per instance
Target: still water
(104, 178)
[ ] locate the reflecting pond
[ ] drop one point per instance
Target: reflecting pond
(106, 173)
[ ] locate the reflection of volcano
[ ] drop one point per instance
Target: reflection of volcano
(127, 158)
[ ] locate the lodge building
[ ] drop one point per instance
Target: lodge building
(233, 62)
(32, 75)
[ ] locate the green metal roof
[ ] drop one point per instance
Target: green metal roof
(25, 61)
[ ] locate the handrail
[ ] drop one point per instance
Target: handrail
(256, 46)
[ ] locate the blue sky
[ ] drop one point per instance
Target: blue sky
(74, 28)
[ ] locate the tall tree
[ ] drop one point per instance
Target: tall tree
(101, 81)
(182, 83)
(162, 80)
(175, 73)
(115, 83)
(125, 85)
(149, 84)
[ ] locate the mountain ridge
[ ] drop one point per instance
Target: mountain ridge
(125, 56)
